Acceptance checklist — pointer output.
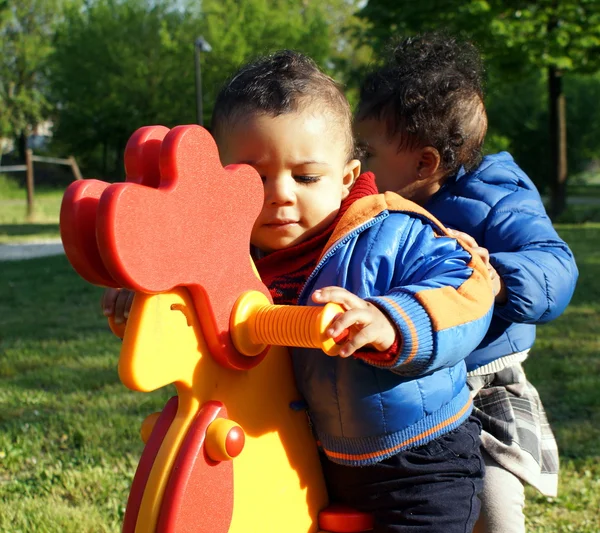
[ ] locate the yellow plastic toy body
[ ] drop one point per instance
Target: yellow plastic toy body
(278, 484)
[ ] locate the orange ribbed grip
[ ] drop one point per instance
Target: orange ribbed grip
(256, 323)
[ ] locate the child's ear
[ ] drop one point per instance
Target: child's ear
(429, 162)
(351, 173)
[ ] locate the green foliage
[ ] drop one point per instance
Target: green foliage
(513, 34)
(118, 66)
(583, 119)
(518, 122)
(238, 31)
(122, 64)
(26, 28)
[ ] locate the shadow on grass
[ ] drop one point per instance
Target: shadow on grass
(28, 230)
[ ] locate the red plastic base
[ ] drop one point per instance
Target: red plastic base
(145, 465)
(199, 494)
(340, 519)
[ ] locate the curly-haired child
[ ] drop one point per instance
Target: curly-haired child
(421, 123)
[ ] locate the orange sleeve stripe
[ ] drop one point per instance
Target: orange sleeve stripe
(416, 438)
(411, 327)
(448, 307)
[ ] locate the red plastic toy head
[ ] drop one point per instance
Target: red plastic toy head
(180, 219)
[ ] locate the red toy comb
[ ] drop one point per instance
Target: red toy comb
(150, 234)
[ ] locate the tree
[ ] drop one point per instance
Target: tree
(119, 65)
(516, 36)
(350, 55)
(239, 31)
(26, 28)
(122, 64)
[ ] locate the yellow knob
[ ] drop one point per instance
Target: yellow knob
(148, 426)
(224, 439)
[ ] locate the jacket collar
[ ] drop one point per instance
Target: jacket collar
(369, 207)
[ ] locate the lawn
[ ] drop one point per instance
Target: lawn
(14, 225)
(69, 430)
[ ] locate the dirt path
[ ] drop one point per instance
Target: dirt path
(30, 250)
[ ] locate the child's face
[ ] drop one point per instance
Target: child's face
(400, 171)
(302, 159)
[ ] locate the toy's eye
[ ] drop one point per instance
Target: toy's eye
(186, 312)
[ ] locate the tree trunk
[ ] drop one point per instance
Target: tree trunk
(22, 146)
(558, 143)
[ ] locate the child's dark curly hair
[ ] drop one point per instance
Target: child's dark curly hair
(430, 92)
(277, 84)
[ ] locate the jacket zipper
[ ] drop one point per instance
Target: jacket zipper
(336, 246)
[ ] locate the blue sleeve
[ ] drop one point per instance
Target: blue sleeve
(440, 301)
(536, 265)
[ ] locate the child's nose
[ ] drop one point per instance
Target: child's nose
(279, 190)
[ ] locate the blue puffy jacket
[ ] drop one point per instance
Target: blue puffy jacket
(389, 251)
(500, 207)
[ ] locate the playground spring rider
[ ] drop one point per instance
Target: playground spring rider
(228, 454)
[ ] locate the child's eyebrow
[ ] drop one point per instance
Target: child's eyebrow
(311, 162)
(294, 164)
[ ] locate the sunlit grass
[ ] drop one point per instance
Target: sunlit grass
(69, 439)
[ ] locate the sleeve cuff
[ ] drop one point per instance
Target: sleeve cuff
(415, 331)
(375, 357)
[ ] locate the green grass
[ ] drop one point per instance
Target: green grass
(14, 223)
(69, 429)
(69, 439)
(565, 367)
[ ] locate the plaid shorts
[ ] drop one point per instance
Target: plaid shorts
(515, 430)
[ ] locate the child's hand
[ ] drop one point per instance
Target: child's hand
(484, 254)
(117, 303)
(367, 325)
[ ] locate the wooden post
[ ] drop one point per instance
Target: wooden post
(75, 167)
(558, 140)
(29, 180)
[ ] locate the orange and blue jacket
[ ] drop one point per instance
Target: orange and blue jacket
(392, 253)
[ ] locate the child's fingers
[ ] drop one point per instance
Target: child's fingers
(483, 253)
(121, 306)
(356, 342)
(344, 321)
(465, 237)
(128, 303)
(339, 296)
(109, 297)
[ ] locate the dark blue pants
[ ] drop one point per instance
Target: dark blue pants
(432, 488)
